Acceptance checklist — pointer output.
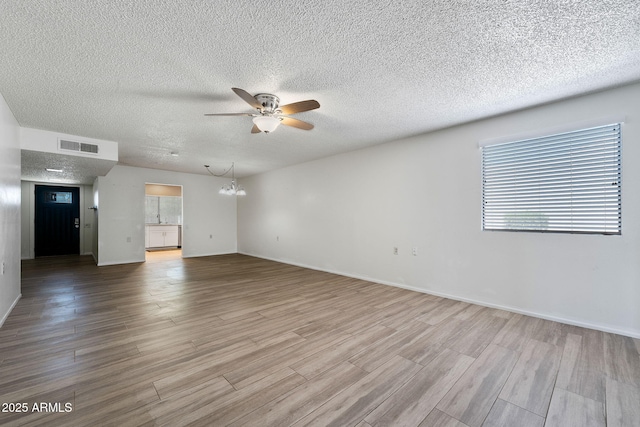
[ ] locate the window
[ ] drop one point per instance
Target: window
(65, 197)
(163, 210)
(568, 183)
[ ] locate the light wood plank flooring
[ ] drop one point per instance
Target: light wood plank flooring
(236, 340)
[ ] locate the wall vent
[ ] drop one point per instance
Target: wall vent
(69, 145)
(88, 148)
(83, 147)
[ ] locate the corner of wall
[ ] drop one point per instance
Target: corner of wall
(10, 203)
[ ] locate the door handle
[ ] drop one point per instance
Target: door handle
(77, 222)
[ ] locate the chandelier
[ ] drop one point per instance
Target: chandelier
(233, 189)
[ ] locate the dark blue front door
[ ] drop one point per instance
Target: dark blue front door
(57, 228)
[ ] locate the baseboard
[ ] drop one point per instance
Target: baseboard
(83, 254)
(574, 322)
(104, 264)
(10, 310)
(95, 259)
(207, 254)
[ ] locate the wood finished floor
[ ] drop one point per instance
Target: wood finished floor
(236, 340)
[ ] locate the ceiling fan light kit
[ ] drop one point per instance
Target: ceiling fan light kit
(266, 123)
(269, 112)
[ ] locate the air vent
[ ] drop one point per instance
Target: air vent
(89, 148)
(69, 145)
(78, 146)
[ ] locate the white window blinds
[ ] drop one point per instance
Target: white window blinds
(569, 182)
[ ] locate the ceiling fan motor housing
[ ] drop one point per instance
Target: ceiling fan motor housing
(268, 101)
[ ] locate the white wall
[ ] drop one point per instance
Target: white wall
(94, 228)
(209, 219)
(345, 214)
(27, 217)
(9, 210)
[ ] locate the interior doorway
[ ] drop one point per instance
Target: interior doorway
(57, 220)
(163, 218)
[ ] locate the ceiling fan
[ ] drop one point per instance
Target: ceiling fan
(270, 113)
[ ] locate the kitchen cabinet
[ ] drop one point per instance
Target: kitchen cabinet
(162, 236)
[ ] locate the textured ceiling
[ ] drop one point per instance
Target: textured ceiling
(144, 73)
(74, 169)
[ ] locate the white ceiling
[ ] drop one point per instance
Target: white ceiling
(73, 169)
(144, 73)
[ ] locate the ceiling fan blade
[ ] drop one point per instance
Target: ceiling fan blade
(290, 121)
(299, 107)
(231, 114)
(248, 98)
(255, 129)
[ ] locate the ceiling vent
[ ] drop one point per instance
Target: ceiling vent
(88, 148)
(81, 147)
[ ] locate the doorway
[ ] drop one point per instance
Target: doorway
(57, 221)
(163, 218)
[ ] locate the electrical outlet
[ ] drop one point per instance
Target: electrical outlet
(414, 251)
(395, 250)
(2, 268)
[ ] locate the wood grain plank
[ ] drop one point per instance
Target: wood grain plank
(442, 310)
(622, 359)
(507, 414)
(472, 397)
(516, 332)
(229, 407)
(123, 401)
(582, 367)
(405, 317)
(570, 355)
(301, 401)
(354, 403)
(190, 400)
(371, 358)
(419, 396)
(250, 372)
(531, 382)
(438, 418)
(477, 333)
(427, 347)
(331, 356)
(553, 332)
(572, 410)
(623, 404)
(470, 310)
